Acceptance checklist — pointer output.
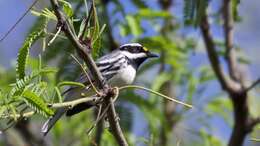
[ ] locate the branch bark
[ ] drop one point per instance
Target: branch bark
(237, 93)
(114, 123)
(83, 53)
(94, 100)
(253, 85)
(228, 32)
(81, 50)
(226, 83)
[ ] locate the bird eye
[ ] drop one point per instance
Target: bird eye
(135, 50)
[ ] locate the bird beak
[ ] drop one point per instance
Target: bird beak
(152, 55)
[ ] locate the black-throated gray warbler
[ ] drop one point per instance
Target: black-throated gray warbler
(118, 68)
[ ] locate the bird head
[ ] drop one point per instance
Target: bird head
(136, 53)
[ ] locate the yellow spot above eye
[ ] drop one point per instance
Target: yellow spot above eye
(145, 49)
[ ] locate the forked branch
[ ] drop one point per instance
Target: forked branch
(82, 51)
(227, 83)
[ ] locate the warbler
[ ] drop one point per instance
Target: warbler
(118, 68)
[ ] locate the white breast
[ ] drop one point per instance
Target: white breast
(125, 77)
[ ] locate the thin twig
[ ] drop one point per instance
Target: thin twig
(56, 34)
(24, 115)
(252, 123)
(89, 79)
(52, 34)
(156, 93)
(255, 139)
(114, 123)
(18, 21)
(75, 102)
(82, 52)
(87, 20)
(253, 85)
(99, 117)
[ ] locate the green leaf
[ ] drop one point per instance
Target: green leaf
(209, 139)
(22, 83)
(81, 27)
(139, 3)
(97, 42)
(23, 53)
(160, 80)
(124, 30)
(3, 108)
(70, 83)
(46, 13)
(194, 10)
(58, 94)
(221, 106)
(149, 13)
(36, 103)
(134, 25)
(235, 4)
(67, 8)
(206, 74)
(13, 111)
(192, 86)
(95, 35)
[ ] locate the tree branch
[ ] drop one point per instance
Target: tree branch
(252, 123)
(72, 103)
(226, 83)
(228, 32)
(253, 85)
(114, 123)
(234, 89)
(82, 52)
(16, 116)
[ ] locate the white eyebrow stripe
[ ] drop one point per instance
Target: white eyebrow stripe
(134, 56)
(131, 44)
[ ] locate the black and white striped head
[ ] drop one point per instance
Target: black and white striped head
(136, 53)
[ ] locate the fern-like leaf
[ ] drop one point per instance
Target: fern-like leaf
(37, 32)
(20, 84)
(37, 103)
(24, 53)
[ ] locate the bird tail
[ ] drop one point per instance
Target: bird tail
(51, 121)
(71, 94)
